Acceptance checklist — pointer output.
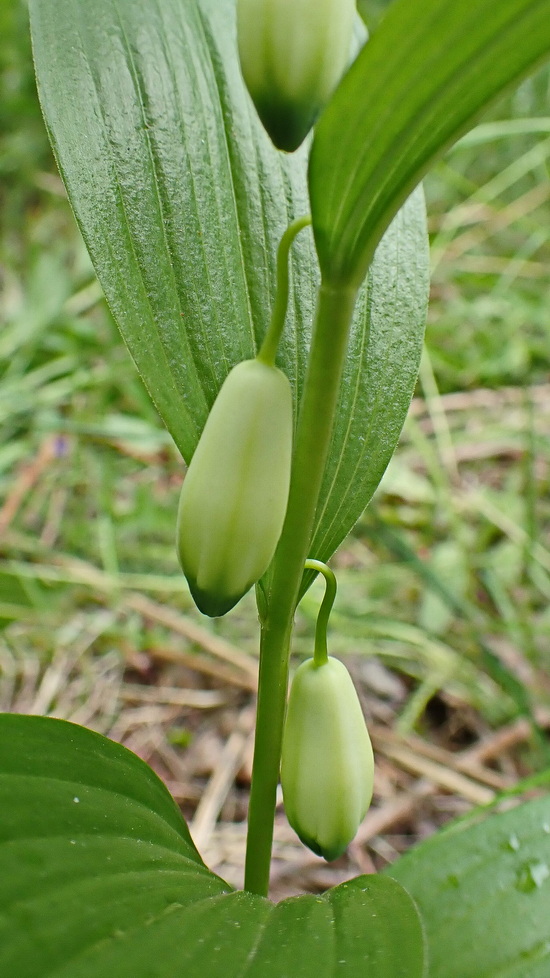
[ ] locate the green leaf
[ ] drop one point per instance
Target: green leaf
(100, 877)
(484, 895)
(182, 201)
(179, 193)
(420, 82)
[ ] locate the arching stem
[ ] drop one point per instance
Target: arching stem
(320, 654)
(268, 349)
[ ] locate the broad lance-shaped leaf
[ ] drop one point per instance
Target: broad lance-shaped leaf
(182, 201)
(179, 194)
(99, 877)
(483, 892)
(421, 81)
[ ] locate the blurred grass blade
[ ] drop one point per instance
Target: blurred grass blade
(488, 132)
(497, 669)
(418, 84)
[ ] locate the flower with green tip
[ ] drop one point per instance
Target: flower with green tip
(293, 54)
(234, 496)
(327, 764)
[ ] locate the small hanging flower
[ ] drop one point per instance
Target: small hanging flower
(234, 496)
(327, 764)
(293, 54)
(235, 493)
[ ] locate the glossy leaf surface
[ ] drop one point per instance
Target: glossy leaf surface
(100, 877)
(182, 201)
(484, 895)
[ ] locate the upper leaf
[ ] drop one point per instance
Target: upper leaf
(425, 75)
(100, 877)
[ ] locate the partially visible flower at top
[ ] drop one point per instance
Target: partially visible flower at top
(293, 54)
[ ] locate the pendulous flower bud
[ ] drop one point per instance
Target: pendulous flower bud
(234, 496)
(327, 762)
(293, 54)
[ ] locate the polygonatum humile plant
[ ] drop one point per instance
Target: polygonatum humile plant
(183, 200)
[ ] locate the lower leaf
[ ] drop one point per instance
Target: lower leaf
(484, 895)
(100, 878)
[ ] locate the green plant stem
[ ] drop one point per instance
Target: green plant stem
(320, 654)
(318, 405)
(268, 349)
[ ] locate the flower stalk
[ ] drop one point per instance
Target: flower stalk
(317, 410)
